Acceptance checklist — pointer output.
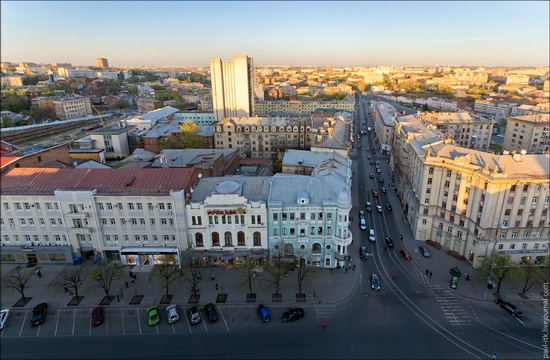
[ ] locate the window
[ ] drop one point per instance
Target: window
(133, 221)
(292, 216)
(512, 246)
(283, 231)
(535, 200)
(428, 190)
(257, 239)
(6, 206)
(424, 221)
(284, 217)
(449, 229)
(163, 222)
(139, 206)
(514, 235)
(440, 225)
(522, 200)
(525, 187)
(100, 206)
(275, 217)
(429, 181)
(103, 221)
(215, 239)
(198, 240)
(329, 216)
(142, 221)
(425, 211)
(152, 222)
(17, 206)
(275, 232)
(130, 206)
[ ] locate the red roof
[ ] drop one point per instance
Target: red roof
(154, 181)
(4, 160)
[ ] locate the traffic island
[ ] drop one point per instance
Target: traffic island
(166, 299)
(136, 300)
(193, 299)
(107, 300)
(221, 298)
(75, 301)
(22, 302)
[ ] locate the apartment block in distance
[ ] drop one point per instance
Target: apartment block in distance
(102, 63)
(528, 132)
(232, 87)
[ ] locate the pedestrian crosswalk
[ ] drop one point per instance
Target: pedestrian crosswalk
(420, 278)
(449, 304)
(325, 312)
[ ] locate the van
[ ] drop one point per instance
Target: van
(371, 235)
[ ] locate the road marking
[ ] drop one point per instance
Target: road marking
(123, 325)
(223, 317)
(90, 325)
(23, 324)
(74, 320)
(139, 323)
(57, 321)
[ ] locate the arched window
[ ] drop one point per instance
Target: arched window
(320, 230)
(289, 249)
(329, 230)
(227, 238)
(327, 262)
(257, 239)
(198, 240)
(316, 248)
(215, 239)
(312, 230)
(240, 239)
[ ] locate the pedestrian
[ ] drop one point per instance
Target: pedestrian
(131, 274)
(216, 286)
(430, 274)
(66, 289)
(394, 277)
(401, 236)
(126, 283)
(324, 324)
(117, 298)
(495, 357)
(385, 248)
(212, 278)
(353, 268)
(133, 279)
(427, 272)
(71, 294)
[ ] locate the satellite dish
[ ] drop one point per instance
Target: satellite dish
(523, 152)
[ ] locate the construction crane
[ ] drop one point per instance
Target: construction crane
(100, 117)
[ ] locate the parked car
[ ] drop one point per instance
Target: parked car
(363, 253)
(264, 313)
(4, 315)
(194, 315)
(375, 282)
(388, 241)
(153, 317)
(388, 207)
(172, 313)
(424, 251)
(97, 316)
(39, 314)
(211, 312)
(379, 208)
(368, 207)
(371, 235)
(509, 307)
(293, 314)
(405, 254)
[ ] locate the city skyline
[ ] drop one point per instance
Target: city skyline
(277, 33)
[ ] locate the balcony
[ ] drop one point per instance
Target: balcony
(77, 215)
(343, 241)
(81, 230)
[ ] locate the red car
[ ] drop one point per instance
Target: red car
(405, 254)
(97, 316)
(375, 193)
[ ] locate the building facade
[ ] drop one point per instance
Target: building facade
(529, 132)
(72, 107)
(232, 87)
(102, 63)
(302, 107)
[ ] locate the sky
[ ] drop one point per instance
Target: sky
(309, 33)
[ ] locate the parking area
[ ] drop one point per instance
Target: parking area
(133, 321)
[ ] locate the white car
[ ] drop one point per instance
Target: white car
(363, 224)
(172, 313)
(4, 314)
(371, 235)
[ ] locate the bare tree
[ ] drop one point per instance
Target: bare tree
(18, 280)
(104, 275)
(248, 273)
(304, 271)
(276, 270)
(532, 274)
(70, 278)
(191, 273)
(168, 273)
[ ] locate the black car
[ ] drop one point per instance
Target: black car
(293, 314)
(371, 162)
(211, 312)
(388, 207)
(363, 253)
(509, 307)
(383, 189)
(388, 241)
(371, 176)
(39, 314)
(381, 180)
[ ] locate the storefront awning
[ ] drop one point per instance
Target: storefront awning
(148, 250)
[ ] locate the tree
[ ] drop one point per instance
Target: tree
(18, 280)
(304, 272)
(532, 274)
(191, 273)
(105, 274)
(168, 273)
(498, 267)
(277, 166)
(6, 121)
(248, 273)
(71, 278)
(121, 104)
(276, 270)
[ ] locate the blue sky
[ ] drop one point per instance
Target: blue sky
(277, 33)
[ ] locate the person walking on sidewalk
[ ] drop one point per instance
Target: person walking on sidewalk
(427, 272)
(324, 324)
(126, 283)
(39, 273)
(430, 274)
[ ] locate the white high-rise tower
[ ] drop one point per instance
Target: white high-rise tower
(232, 87)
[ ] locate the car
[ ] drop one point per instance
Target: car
(359, 146)
(211, 312)
(509, 307)
(405, 254)
(97, 316)
(293, 314)
(373, 150)
(368, 207)
(379, 208)
(363, 253)
(363, 224)
(368, 156)
(375, 193)
(375, 282)
(383, 190)
(361, 214)
(388, 241)
(4, 315)
(372, 163)
(39, 314)
(371, 176)
(378, 170)
(263, 313)
(388, 206)
(372, 237)
(424, 251)
(194, 315)
(381, 180)
(172, 313)
(153, 317)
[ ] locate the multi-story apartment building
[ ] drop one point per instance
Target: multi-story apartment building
(529, 132)
(114, 139)
(383, 115)
(270, 137)
(72, 107)
(226, 219)
(203, 118)
(498, 109)
(302, 107)
(102, 63)
(471, 201)
(308, 215)
(442, 104)
(232, 87)
(12, 81)
(517, 79)
(133, 215)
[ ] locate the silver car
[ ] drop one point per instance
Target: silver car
(172, 313)
(194, 315)
(424, 251)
